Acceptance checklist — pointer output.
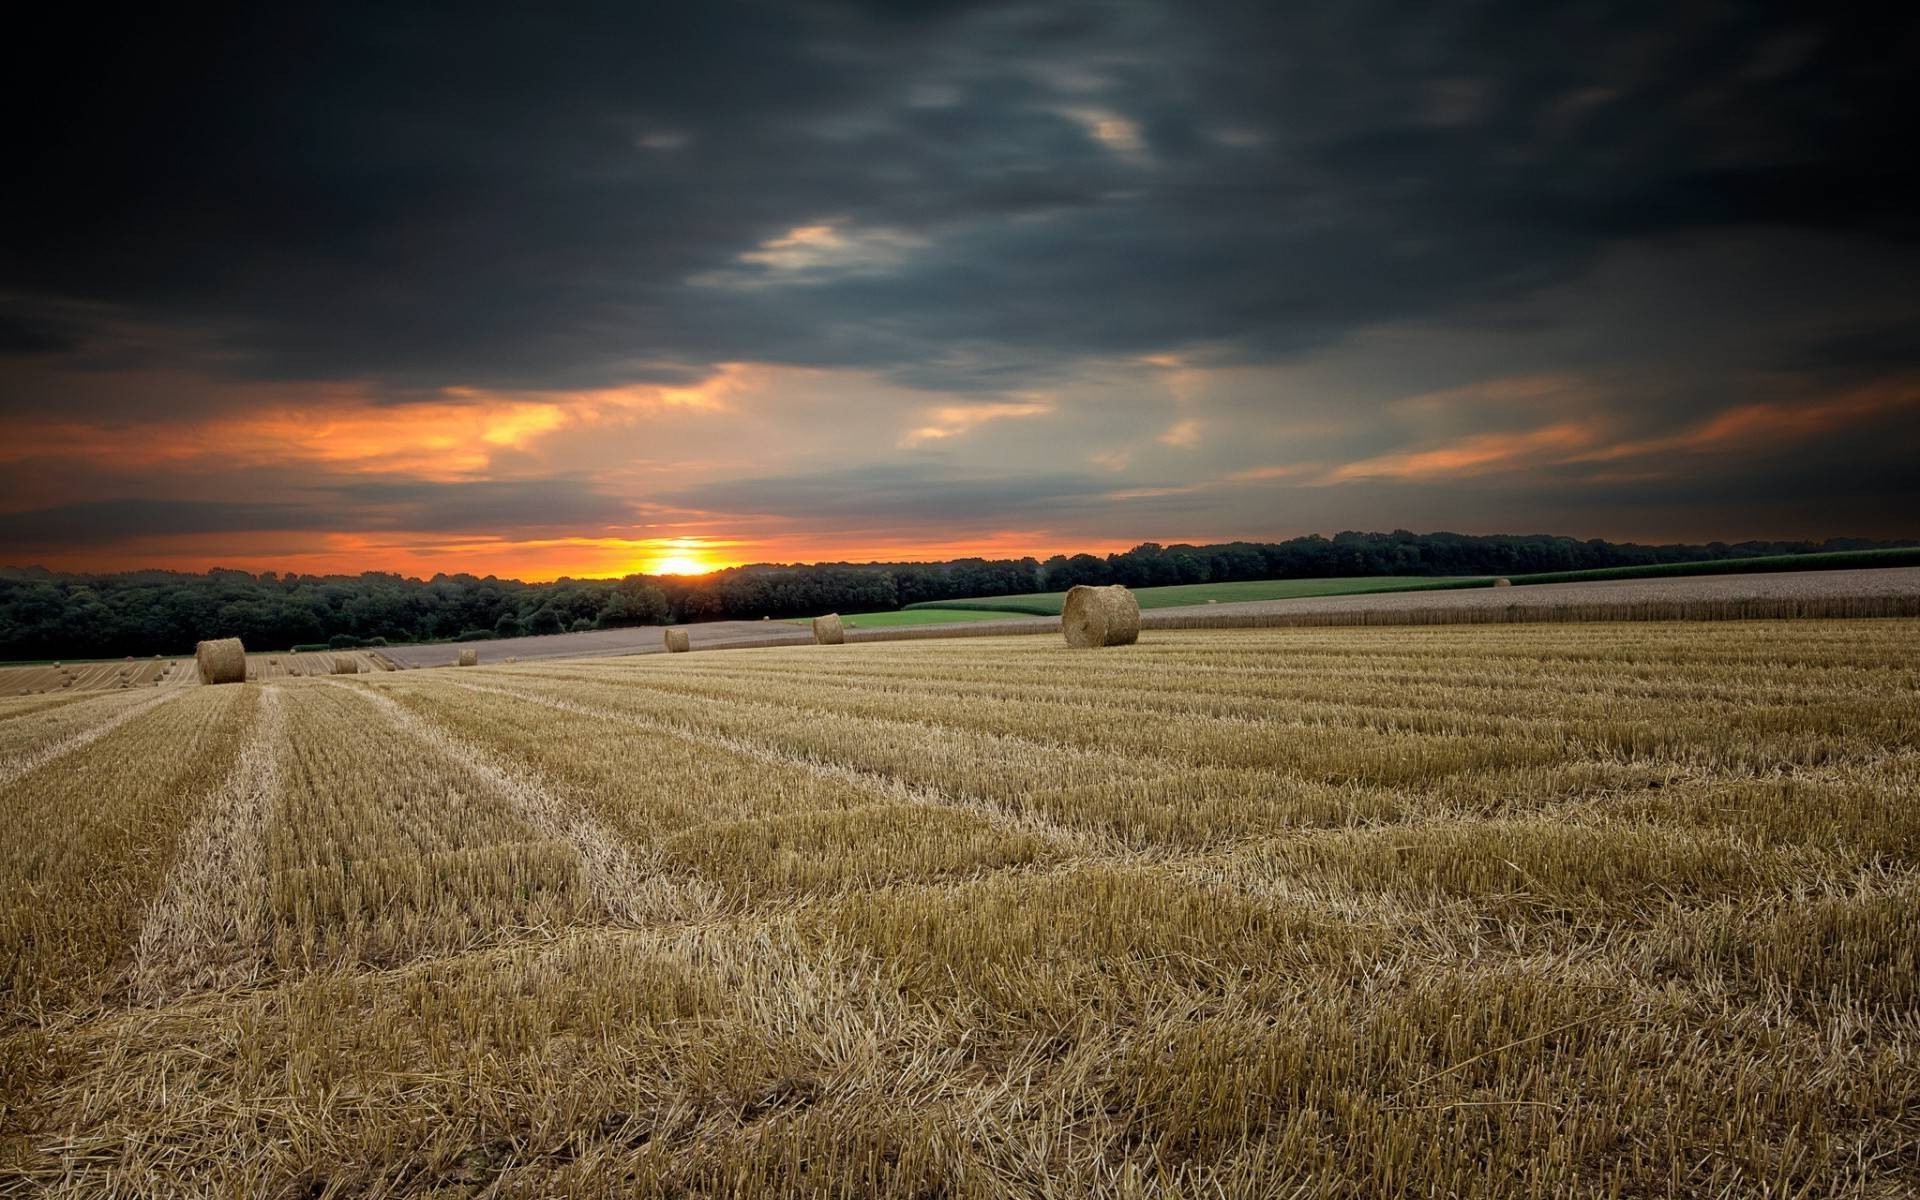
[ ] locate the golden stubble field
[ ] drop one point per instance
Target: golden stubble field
(76, 679)
(1610, 910)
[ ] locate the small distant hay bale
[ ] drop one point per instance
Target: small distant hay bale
(469, 657)
(1503, 583)
(1100, 616)
(342, 665)
(676, 640)
(513, 658)
(221, 660)
(827, 630)
(766, 618)
(1213, 602)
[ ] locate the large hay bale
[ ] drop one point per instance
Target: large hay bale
(827, 630)
(1100, 616)
(343, 665)
(1503, 583)
(469, 657)
(676, 640)
(222, 660)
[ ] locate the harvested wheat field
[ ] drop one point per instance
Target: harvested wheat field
(114, 674)
(1604, 909)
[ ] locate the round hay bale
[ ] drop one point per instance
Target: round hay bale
(1503, 583)
(221, 660)
(469, 657)
(342, 665)
(676, 640)
(827, 630)
(513, 658)
(1100, 616)
(1213, 602)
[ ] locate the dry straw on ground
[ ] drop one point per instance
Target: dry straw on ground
(1100, 616)
(1505, 911)
(222, 660)
(469, 658)
(676, 640)
(827, 630)
(1766, 608)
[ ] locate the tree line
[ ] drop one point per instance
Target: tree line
(45, 614)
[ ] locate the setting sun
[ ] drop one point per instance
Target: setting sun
(678, 565)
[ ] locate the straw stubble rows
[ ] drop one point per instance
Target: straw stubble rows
(1612, 910)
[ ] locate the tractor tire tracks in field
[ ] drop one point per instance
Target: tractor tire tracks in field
(1074, 843)
(25, 764)
(207, 928)
(632, 889)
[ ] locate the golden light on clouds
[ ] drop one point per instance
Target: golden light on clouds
(950, 421)
(1475, 455)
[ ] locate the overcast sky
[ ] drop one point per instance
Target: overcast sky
(567, 288)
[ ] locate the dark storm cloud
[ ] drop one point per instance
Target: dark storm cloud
(1860, 485)
(24, 334)
(556, 197)
(345, 506)
(106, 522)
(1870, 349)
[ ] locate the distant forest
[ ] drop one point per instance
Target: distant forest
(49, 615)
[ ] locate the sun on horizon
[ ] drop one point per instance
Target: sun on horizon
(680, 564)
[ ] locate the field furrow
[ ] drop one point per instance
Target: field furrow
(627, 885)
(33, 740)
(92, 833)
(938, 766)
(380, 848)
(207, 928)
(746, 815)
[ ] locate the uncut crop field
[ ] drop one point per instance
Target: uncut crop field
(1546, 910)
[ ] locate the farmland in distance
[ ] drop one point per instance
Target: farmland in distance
(1048, 604)
(1591, 909)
